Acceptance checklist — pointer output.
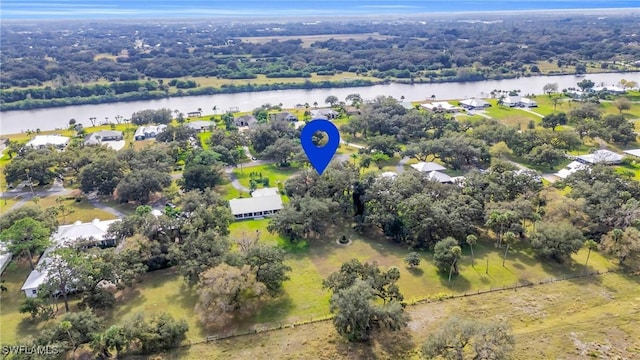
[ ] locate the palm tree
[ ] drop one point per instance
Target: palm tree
(433, 97)
(591, 245)
(471, 240)
(509, 239)
(354, 156)
(456, 251)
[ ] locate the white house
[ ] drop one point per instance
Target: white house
(100, 137)
(439, 177)
(513, 101)
(255, 207)
(634, 152)
(148, 132)
(95, 232)
(428, 166)
(570, 169)
(473, 103)
(44, 141)
(5, 257)
(200, 125)
(440, 106)
(601, 157)
(389, 174)
(326, 114)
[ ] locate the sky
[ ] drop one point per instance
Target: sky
(130, 9)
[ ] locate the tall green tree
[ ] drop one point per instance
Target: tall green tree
(357, 315)
(556, 240)
(26, 238)
(445, 255)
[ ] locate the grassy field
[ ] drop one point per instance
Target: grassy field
(563, 320)
(312, 261)
(512, 117)
(272, 172)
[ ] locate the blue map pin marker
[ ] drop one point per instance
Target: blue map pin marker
(320, 157)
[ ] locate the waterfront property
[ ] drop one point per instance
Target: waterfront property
(325, 114)
(148, 132)
(201, 125)
(513, 101)
(246, 120)
(45, 141)
(440, 107)
(473, 104)
(285, 115)
(99, 137)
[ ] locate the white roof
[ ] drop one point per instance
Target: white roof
(602, 157)
(474, 102)
(439, 105)
(512, 100)
(46, 140)
(36, 277)
(570, 169)
(634, 152)
(69, 233)
(438, 176)
(5, 256)
(389, 174)
(265, 192)
(200, 124)
(611, 88)
(255, 204)
(428, 166)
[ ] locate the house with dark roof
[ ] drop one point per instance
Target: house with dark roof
(246, 120)
(201, 125)
(326, 114)
(284, 116)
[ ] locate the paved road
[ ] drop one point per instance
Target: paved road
(401, 163)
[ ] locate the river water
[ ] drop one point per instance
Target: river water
(12, 122)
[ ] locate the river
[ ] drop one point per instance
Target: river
(12, 122)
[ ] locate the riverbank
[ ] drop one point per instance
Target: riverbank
(55, 97)
(15, 122)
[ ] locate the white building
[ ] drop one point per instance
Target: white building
(265, 192)
(428, 166)
(570, 169)
(513, 101)
(95, 232)
(634, 152)
(44, 141)
(601, 157)
(255, 207)
(5, 257)
(440, 106)
(473, 103)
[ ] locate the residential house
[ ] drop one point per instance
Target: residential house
(246, 120)
(570, 169)
(473, 104)
(612, 89)
(389, 175)
(634, 152)
(5, 257)
(284, 116)
(426, 167)
(98, 137)
(440, 107)
(148, 132)
(45, 141)
(601, 157)
(201, 125)
(94, 233)
(513, 101)
(194, 114)
(255, 207)
(326, 114)
(439, 177)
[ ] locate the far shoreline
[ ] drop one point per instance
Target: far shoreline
(239, 89)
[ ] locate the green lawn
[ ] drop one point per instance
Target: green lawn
(312, 261)
(512, 117)
(272, 172)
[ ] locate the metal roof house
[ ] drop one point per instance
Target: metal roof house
(601, 157)
(44, 141)
(5, 257)
(428, 166)
(473, 103)
(255, 207)
(95, 232)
